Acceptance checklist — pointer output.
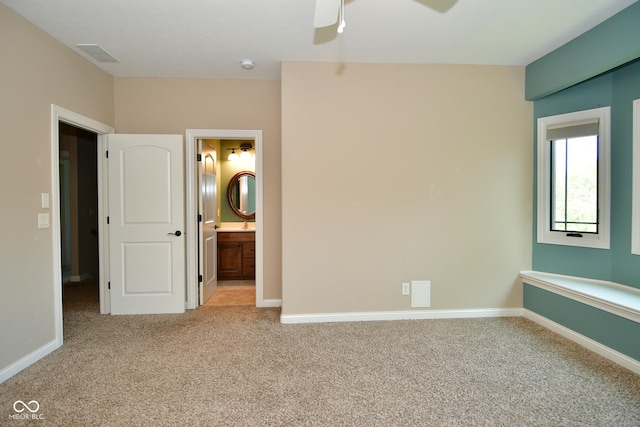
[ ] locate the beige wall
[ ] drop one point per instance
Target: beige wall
(392, 173)
(147, 105)
(36, 71)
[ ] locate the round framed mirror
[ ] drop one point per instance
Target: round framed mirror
(241, 194)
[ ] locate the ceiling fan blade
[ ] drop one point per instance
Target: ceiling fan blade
(326, 13)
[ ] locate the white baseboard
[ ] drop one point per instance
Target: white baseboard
(27, 361)
(596, 347)
(271, 303)
(399, 315)
(80, 278)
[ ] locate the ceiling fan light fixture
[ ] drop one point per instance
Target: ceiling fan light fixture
(341, 18)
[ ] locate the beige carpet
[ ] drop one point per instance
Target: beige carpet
(237, 366)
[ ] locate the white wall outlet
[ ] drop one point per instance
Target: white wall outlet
(406, 289)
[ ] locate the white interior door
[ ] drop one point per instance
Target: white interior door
(208, 209)
(146, 224)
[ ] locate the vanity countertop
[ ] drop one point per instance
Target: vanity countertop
(234, 227)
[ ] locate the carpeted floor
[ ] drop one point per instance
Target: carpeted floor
(238, 366)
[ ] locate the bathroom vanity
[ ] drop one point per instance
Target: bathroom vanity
(236, 255)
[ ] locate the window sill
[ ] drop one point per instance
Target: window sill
(596, 241)
(612, 297)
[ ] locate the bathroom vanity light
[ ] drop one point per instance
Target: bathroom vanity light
(245, 152)
(245, 155)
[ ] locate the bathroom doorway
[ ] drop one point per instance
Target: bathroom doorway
(236, 232)
(193, 272)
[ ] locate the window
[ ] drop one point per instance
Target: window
(573, 179)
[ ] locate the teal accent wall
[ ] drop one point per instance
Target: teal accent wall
(617, 89)
(613, 331)
(626, 87)
(599, 68)
(571, 260)
(611, 44)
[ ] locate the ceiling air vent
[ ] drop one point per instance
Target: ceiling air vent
(96, 52)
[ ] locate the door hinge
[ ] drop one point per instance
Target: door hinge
(109, 285)
(199, 218)
(198, 157)
(199, 278)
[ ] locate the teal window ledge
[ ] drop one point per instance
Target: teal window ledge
(621, 300)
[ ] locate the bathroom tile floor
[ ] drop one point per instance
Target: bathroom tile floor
(228, 295)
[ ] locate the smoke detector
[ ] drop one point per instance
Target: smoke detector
(247, 64)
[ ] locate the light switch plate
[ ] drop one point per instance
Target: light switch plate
(45, 200)
(43, 220)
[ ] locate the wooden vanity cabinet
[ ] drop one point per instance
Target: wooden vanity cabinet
(236, 255)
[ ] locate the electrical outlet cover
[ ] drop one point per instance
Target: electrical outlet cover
(406, 289)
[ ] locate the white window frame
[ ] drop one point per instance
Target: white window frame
(635, 214)
(601, 239)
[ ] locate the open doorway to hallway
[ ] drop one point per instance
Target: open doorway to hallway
(78, 203)
(78, 195)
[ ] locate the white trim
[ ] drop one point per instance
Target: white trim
(544, 233)
(103, 235)
(611, 354)
(635, 215)
(271, 303)
(192, 207)
(27, 360)
(399, 315)
(623, 301)
(80, 278)
(59, 114)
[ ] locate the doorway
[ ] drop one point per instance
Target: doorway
(60, 115)
(234, 255)
(78, 195)
(193, 135)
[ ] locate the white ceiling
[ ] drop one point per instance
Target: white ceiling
(209, 38)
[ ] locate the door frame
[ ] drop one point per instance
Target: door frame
(192, 135)
(59, 114)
